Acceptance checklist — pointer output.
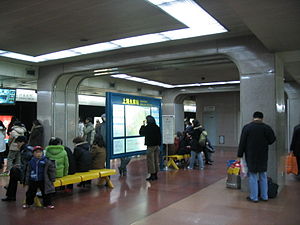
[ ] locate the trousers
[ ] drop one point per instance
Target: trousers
(153, 159)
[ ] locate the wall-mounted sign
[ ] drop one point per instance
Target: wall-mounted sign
(209, 108)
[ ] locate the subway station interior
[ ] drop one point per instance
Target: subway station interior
(214, 61)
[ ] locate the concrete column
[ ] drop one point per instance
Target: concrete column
(263, 91)
(45, 104)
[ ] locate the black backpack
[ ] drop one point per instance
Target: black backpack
(272, 188)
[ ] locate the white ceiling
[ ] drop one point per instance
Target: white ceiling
(38, 27)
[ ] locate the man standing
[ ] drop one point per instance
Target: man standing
(255, 139)
(88, 129)
(295, 145)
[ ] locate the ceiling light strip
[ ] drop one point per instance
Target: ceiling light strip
(198, 21)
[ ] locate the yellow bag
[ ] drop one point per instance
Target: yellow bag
(291, 164)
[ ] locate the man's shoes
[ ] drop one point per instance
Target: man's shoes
(251, 200)
(264, 200)
(8, 199)
(208, 163)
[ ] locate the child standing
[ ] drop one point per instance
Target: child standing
(41, 174)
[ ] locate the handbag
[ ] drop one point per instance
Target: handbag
(291, 164)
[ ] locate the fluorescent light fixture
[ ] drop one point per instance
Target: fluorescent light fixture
(160, 84)
(187, 85)
(100, 47)
(220, 83)
(140, 40)
(189, 13)
(18, 56)
(122, 76)
(57, 55)
(155, 83)
(105, 70)
(137, 79)
(197, 20)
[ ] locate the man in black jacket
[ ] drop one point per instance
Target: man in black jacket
(153, 140)
(295, 145)
(255, 139)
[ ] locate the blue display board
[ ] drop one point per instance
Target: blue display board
(124, 117)
(7, 96)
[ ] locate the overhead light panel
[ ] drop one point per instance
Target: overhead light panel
(189, 13)
(197, 20)
(122, 76)
(56, 55)
(14, 55)
(140, 40)
(155, 83)
(100, 47)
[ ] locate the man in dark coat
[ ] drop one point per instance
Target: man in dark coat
(255, 139)
(295, 145)
(152, 135)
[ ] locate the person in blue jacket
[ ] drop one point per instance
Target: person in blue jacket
(40, 174)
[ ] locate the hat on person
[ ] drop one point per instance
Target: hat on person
(37, 148)
(21, 139)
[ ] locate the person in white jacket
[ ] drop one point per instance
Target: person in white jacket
(2, 142)
(14, 156)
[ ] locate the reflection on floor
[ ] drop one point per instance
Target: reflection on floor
(178, 197)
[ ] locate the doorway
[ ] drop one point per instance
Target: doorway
(209, 123)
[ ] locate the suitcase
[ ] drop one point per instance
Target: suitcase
(233, 181)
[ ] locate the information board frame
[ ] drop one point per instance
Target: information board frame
(137, 105)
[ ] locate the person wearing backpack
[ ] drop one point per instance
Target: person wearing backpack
(203, 141)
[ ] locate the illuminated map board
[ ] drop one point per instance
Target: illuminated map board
(125, 115)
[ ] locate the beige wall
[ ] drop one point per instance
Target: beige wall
(227, 107)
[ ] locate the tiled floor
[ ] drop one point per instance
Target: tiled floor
(178, 197)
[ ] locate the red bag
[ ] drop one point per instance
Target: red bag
(291, 164)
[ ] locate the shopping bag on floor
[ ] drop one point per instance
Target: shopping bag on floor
(291, 164)
(233, 174)
(233, 181)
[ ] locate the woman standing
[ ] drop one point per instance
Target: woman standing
(2, 143)
(152, 135)
(36, 134)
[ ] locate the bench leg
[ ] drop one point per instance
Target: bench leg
(169, 162)
(174, 165)
(37, 202)
(109, 183)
